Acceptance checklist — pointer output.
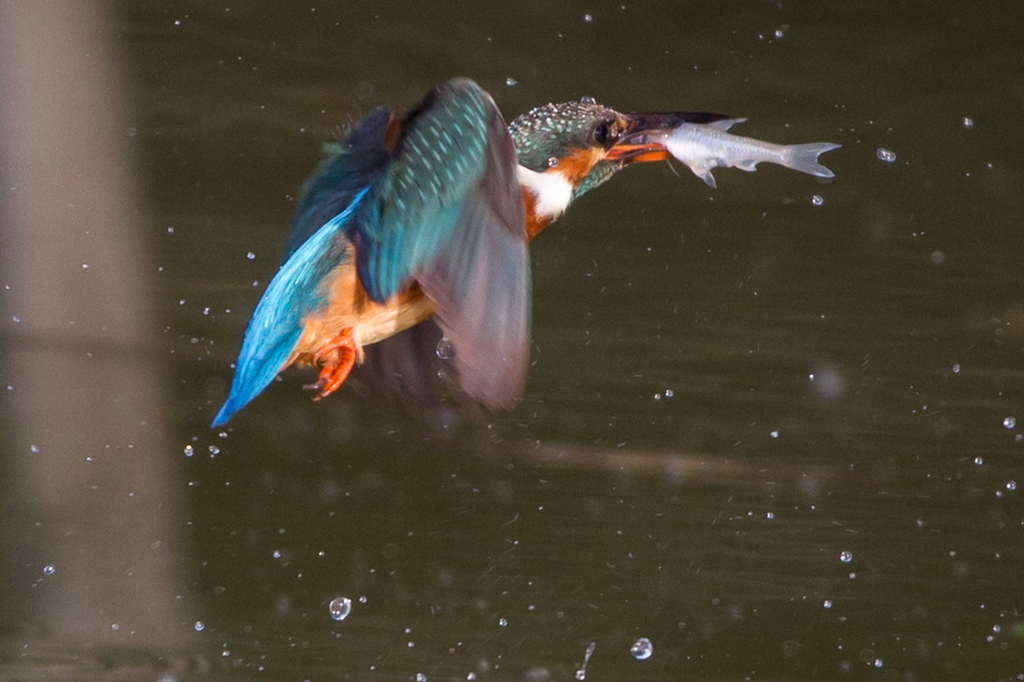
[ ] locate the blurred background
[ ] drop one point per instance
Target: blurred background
(770, 430)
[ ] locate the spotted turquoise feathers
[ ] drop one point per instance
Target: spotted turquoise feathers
(441, 210)
(411, 212)
(545, 133)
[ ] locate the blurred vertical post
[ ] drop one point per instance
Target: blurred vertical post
(86, 479)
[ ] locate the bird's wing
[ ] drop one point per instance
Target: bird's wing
(359, 159)
(316, 246)
(405, 369)
(448, 213)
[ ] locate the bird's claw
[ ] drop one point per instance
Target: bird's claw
(333, 372)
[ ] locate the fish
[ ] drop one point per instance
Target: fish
(708, 145)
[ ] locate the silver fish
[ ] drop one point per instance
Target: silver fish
(704, 146)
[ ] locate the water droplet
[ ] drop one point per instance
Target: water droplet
(277, 554)
(363, 600)
(827, 603)
(1010, 422)
(581, 674)
(587, 99)
(471, 677)
(669, 393)
(770, 516)
(885, 155)
(214, 450)
(445, 349)
(552, 162)
(502, 622)
(817, 200)
(49, 569)
(250, 255)
(938, 257)
(511, 82)
(199, 626)
(170, 230)
(588, 18)
(1011, 485)
(189, 451)
(978, 460)
(420, 677)
(775, 434)
(968, 122)
(846, 557)
(642, 649)
(340, 607)
(956, 368)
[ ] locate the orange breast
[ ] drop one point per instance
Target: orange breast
(534, 222)
(349, 307)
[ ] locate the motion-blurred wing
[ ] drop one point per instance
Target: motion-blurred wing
(360, 159)
(406, 369)
(449, 214)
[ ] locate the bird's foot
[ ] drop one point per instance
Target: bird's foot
(333, 371)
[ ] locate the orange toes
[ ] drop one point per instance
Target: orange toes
(334, 371)
(331, 378)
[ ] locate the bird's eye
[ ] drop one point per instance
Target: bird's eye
(600, 133)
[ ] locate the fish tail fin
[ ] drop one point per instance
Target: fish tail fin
(804, 158)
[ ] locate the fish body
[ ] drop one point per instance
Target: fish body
(705, 146)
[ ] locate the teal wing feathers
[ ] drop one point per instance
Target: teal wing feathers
(449, 214)
(360, 160)
(443, 209)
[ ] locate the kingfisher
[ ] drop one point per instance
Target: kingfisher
(409, 243)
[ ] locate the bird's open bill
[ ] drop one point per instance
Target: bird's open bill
(637, 143)
(638, 151)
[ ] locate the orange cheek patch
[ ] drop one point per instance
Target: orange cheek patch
(578, 163)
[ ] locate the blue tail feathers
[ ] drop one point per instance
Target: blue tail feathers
(276, 326)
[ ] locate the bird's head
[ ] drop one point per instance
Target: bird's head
(565, 150)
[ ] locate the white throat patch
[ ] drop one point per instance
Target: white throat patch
(550, 189)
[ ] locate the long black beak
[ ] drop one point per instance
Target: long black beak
(639, 141)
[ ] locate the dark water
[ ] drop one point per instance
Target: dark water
(778, 439)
